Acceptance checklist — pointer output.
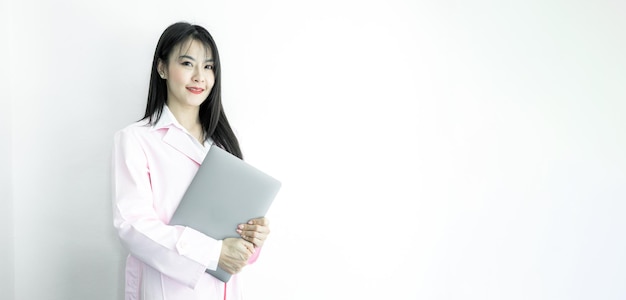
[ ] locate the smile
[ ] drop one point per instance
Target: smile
(195, 90)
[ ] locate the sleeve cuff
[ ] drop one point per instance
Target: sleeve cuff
(199, 247)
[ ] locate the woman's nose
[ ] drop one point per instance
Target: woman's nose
(197, 76)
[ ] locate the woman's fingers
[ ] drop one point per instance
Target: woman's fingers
(255, 231)
(260, 221)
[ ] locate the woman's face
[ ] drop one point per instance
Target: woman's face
(189, 74)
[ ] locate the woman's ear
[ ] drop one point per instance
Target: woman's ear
(162, 70)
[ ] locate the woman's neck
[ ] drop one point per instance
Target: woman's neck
(189, 118)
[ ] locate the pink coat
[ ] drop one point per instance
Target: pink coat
(152, 168)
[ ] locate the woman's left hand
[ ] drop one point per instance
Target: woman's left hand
(255, 231)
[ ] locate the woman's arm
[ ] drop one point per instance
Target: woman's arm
(181, 253)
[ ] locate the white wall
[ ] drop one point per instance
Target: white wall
(428, 149)
(6, 209)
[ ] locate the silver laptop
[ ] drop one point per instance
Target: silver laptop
(226, 191)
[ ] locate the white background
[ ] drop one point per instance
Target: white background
(428, 149)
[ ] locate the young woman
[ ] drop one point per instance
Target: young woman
(154, 161)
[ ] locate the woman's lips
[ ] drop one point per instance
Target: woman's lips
(195, 90)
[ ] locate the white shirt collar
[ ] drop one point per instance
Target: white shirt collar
(168, 119)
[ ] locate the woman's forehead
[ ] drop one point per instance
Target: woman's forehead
(193, 47)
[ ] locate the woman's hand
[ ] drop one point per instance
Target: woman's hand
(255, 231)
(235, 254)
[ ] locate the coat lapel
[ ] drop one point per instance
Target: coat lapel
(181, 142)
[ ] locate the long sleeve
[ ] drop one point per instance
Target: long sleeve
(178, 252)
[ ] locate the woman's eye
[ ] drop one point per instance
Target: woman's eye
(186, 63)
(209, 67)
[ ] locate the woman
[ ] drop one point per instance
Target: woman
(154, 162)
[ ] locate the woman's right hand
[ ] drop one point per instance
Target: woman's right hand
(235, 254)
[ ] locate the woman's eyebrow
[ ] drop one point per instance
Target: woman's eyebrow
(193, 59)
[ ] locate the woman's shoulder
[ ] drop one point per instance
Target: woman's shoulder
(135, 129)
(140, 125)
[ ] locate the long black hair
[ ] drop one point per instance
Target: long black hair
(212, 116)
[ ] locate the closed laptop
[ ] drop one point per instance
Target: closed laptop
(226, 191)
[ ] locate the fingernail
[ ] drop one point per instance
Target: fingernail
(239, 231)
(250, 222)
(240, 226)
